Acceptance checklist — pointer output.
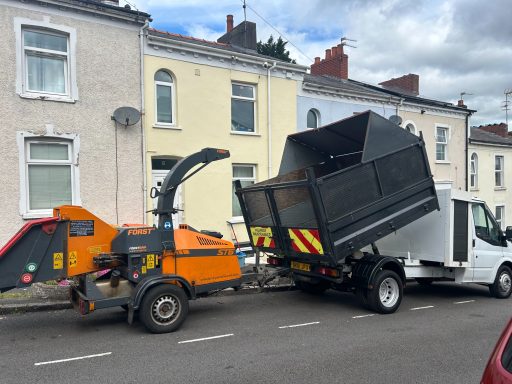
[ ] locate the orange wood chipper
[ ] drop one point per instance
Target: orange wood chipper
(152, 270)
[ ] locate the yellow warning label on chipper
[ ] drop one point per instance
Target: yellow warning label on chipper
(58, 260)
(150, 261)
(72, 262)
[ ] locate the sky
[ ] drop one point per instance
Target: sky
(455, 46)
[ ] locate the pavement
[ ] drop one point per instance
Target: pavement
(44, 297)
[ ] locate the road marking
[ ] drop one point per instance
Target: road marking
(427, 307)
(205, 338)
(361, 316)
(73, 358)
(299, 325)
(464, 302)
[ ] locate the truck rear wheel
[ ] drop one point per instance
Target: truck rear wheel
(164, 308)
(313, 288)
(387, 293)
(502, 286)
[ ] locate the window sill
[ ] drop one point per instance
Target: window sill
(500, 188)
(41, 96)
(37, 215)
(474, 189)
(443, 162)
(236, 220)
(164, 126)
(245, 133)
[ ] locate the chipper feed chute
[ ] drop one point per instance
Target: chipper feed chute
(54, 248)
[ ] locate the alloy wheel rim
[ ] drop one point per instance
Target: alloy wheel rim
(165, 309)
(505, 282)
(389, 292)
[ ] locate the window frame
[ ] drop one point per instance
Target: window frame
(253, 100)
(24, 139)
(71, 89)
(473, 171)
(316, 113)
(501, 221)
(410, 123)
(447, 129)
(490, 221)
(500, 171)
(254, 179)
(172, 86)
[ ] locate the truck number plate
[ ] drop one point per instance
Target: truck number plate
(301, 266)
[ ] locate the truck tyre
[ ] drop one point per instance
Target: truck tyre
(164, 308)
(315, 289)
(502, 286)
(386, 295)
(362, 297)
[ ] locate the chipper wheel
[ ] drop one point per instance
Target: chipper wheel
(164, 308)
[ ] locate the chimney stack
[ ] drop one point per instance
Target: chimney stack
(335, 63)
(409, 84)
(229, 23)
(461, 104)
(498, 129)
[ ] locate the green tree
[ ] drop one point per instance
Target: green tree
(275, 49)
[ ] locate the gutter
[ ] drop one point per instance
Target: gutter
(143, 114)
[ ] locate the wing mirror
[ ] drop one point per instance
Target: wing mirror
(508, 233)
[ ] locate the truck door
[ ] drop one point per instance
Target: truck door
(488, 243)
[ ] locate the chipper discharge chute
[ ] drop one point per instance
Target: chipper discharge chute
(340, 188)
(153, 270)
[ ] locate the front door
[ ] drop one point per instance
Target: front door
(488, 243)
(158, 177)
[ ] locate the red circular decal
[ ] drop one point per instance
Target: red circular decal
(26, 278)
(135, 275)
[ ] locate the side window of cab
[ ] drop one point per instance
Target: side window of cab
(486, 227)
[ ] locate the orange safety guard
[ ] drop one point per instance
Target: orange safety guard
(83, 247)
(204, 259)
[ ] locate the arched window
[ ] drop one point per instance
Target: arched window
(474, 171)
(313, 118)
(164, 94)
(410, 127)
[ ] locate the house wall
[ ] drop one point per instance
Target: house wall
(453, 169)
(107, 73)
(203, 104)
(486, 189)
(333, 110)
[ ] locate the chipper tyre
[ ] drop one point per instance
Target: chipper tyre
(387, 293)
(502, 286)
(164, 308)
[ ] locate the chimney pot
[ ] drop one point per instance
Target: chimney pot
(229, 23)
(327, 54)
(317, 60)
(334, 51)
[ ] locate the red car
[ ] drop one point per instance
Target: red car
(499, 366)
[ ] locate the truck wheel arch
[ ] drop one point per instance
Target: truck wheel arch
(366, 269)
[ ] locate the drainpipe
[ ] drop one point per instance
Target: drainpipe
(142, 113)
(466, 150)
(399, 104)
(269, 117)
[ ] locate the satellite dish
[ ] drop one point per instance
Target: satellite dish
(126, 116)
(395, 119)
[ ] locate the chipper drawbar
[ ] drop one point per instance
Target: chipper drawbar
(153, 270)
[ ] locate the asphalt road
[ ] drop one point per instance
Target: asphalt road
(441, 334)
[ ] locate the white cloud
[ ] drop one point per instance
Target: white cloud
(453, 45)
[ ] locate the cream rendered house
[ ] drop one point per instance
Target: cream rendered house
(63, 75)
(490, 159)
(215, 94)
(328, 95)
